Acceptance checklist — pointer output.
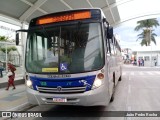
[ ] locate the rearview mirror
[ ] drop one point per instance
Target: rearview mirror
(109, 32)
(17, 38)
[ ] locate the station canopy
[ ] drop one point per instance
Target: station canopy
(116, 11)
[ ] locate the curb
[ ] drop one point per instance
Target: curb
(16, 82)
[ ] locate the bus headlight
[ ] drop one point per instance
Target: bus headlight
(98, 81)
(29, 84)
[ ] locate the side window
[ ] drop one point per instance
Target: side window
(39, 48)
(108, 46)
(109, 43)
(146, 58)
(107, 40)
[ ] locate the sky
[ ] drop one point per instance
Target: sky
(133, 8)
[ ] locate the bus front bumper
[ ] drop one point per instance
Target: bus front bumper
(96, 97)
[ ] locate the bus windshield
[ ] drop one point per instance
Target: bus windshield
(70, 48)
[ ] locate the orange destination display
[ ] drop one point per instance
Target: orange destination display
(65, 17)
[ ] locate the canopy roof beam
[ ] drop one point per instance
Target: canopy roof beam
(62, 1)
(32, 9)
(110, 9)
(90, 3)
(10, 20)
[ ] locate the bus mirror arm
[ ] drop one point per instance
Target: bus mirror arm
(17, 38)
(17, 35)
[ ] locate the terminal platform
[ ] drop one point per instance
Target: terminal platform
(13, 99)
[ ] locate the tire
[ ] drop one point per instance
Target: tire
(120, 78)
(112, 98)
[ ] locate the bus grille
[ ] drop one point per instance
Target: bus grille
(60, 90)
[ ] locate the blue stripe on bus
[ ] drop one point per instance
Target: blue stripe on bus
(63, 82)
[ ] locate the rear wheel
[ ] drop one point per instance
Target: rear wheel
(112, 97)
(120, 78)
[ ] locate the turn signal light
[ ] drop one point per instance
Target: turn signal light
(100, 76)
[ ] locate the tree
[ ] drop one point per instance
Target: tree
(147, 36)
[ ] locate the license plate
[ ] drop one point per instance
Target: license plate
(59, 100)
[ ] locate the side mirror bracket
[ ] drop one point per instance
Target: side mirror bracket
(17, 38)
(17, 35)
(109, 32)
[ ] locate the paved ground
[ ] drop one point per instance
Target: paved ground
(13, 99)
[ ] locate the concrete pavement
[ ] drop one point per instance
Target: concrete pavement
(19, 78)
(13, 99)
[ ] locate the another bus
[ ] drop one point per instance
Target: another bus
(71, 58)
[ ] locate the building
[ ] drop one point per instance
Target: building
(126, 54)
(150, 55)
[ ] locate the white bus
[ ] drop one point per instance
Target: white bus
(71, 58)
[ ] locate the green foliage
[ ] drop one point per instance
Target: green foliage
(3, 39)
(11, 48)
(147, 36)
(148, 23)
(147, 39)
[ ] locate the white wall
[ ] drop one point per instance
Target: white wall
(152, 54)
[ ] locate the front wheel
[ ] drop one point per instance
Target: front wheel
(112, 98)
(120, 78)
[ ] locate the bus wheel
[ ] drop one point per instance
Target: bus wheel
(120, 78)
(112, 98)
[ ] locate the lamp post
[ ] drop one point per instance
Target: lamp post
(6, 57)
(6, 44)
(151, 55)
(150, 43)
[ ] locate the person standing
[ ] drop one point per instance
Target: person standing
(139, 62)
(155, 62)
(142, 62)
(1, 69)
(135, 62)
(11, 76)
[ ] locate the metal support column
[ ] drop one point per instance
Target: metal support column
(23, 39)
(6, 58)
